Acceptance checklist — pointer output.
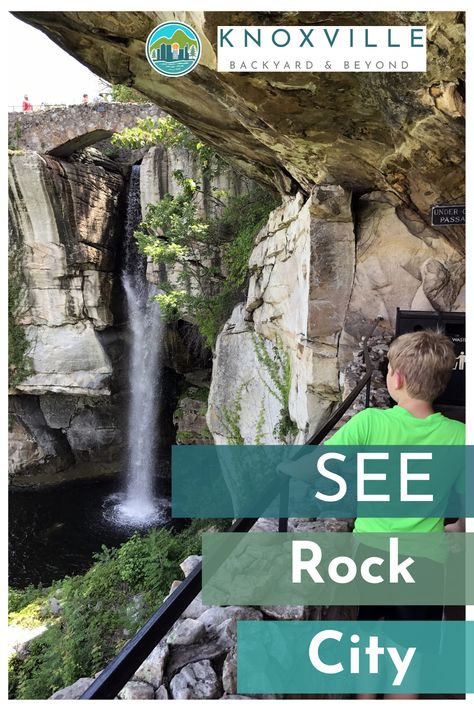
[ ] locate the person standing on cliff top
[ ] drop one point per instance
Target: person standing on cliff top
(26, 105)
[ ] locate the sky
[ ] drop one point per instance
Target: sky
(53, 77)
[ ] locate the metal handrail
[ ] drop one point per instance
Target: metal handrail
(116, 674)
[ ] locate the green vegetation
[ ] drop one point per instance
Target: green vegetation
(231, 418)
(126, 95)
(259, 433)
(278, 368)
(99, 611)
(201, 433)
(212, 256)
(190, 437)
(197, 393)
(19, 365)
(170, 133)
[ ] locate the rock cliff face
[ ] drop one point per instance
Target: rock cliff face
(65, 225)
(358, 158)
(64, 218)
(323, 270)
(66, 230)
(397, 132)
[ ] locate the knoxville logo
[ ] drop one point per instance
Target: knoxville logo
(328, 37)
(173, 49)
(374, 48)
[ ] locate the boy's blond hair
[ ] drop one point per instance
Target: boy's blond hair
(426, 360)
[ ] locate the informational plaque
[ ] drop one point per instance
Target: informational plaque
(448, 215)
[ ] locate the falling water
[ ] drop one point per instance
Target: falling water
(138, 505)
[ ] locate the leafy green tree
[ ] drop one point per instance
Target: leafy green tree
(208, 260)
(169, 132)
(126, 95)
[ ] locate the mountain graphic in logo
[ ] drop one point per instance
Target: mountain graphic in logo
(173, 49)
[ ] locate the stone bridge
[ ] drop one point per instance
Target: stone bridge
(61, 131)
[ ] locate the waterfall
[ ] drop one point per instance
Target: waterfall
(139, 505)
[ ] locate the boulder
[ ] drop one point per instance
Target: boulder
(135, 690)
(215, 616)
(189, 631)
(151, 670)
(188, 565)
(196, 607)
(74, 691)
(229, 673)
(284, 612)
(161, 693)
(196, 681)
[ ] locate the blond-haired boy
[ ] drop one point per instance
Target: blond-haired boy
(420, 365)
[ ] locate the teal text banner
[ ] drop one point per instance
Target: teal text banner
(260, 568)
(281, 481)
(343, 657)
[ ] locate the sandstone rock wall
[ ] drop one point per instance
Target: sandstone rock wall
(400, 262)
(322, 271)
(63, 218)
(65, 225)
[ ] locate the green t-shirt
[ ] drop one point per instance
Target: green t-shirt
(397, 426)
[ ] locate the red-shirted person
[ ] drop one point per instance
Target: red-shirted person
(26, 106)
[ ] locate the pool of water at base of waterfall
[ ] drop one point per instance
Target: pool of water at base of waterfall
(54, 531)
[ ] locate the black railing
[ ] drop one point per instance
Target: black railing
(114, 677)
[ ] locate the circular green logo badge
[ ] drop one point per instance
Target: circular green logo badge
(173, 49)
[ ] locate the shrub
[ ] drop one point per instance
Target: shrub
(99, 611)
(126, 94)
